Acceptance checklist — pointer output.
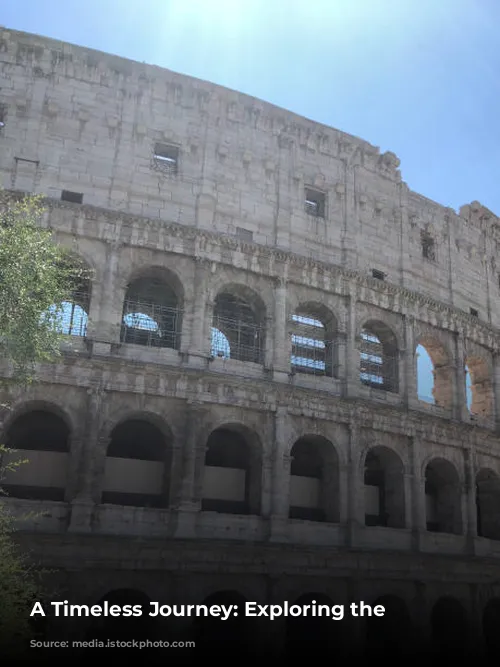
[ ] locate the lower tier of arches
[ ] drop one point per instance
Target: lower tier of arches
(437, 608)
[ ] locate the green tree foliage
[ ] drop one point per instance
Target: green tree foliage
(37, 276)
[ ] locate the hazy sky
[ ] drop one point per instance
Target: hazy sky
(418, 77)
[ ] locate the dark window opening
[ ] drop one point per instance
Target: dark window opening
(244, 234)
(474, 312)
(73, 197)
(379, 275)
(3, 115)
(315, 203)
(166, 158)
(428, 247)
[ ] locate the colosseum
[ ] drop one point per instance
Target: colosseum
(236, 415)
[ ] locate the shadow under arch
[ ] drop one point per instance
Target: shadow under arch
(491, 628)
(316, 630)
(384, 488)
(232, 637)
(449, 630)
(389, 636)
(42, 437)
(232, 470)
(122, 628)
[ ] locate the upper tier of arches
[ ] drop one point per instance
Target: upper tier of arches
(304, 334)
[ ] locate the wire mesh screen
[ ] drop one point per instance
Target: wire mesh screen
(151, 324)
(312, 351)
(377, 367)
(236, 332)
(71, 317)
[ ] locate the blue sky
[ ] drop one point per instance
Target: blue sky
(418, 77)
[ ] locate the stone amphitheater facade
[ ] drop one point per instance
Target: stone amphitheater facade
(237, 411)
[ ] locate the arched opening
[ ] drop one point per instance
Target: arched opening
(41, 439)
(233, 470)
(389, 636)
(314, 341)
(479, 390)
(443, 498)
(314, 629)
(122, 628)
(379, 366)
(491, 626)
(449, 631)
(138, 464)
(314, 480)
(434, 374)
(238, 326)
(71, 316)
(488, 504)
(384, 489)
(152, 312)
(232, 635)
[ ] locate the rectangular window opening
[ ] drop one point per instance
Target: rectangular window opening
(73, 197)
(3, 115)
(428, 247)
(244, 234)
(315, 203)
(474, 312)
(166, 158)
(379, 275)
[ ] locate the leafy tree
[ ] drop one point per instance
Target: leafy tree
(37, 277)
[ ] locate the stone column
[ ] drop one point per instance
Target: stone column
(352, 349)
(460, 403)
(280, 477)
(408, 484)
(190, 488)
(195, 413)
(199, 344)
(410, 370)
(268, 352)
(419, 519)
(266, 496)
(496, 388)
(107, 329)
(281, 341)
(355, 511)
(83, 502)
(469, 507)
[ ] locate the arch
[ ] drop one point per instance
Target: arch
(488, 504)
(314, 480)
(443, 497)
(70, 317)
(491, 624)
(449, 631)
(233, 471)
(234, 632)
(41, 438)
(384, 488)
(434, 373)
(239, 325)
(117, 628)
(308, 632)
(152, 309)
(478, 385)
(314, 340)
(138, 465)
(379, 364)
(389, 635)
